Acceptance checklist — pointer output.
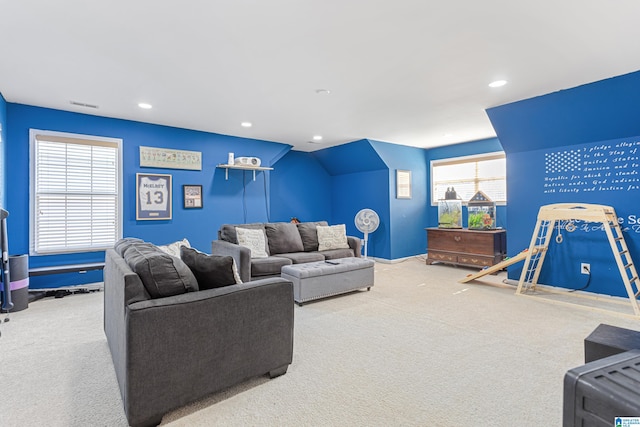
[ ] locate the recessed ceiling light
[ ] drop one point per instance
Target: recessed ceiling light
(317, 137)
(145, 105)
(498, 83)
(323, 91)
(246, 124)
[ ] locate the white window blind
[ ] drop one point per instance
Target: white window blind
(75, 196)
(467, 175)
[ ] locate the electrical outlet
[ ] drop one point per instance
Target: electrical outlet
(585, 268)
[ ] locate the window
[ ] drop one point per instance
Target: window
(467, 175)
(75, 193)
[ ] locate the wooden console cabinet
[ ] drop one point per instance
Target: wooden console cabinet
(474, 248)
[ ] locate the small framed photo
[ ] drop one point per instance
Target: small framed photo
(403, 184)
(153, 196)
(192, 196)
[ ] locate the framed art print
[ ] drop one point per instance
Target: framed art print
(153, 196)
(403, 184)
(192, 196)
(155, 157)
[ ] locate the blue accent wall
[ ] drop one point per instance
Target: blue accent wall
(364, 176)
(579, 145)
(407, 217)
(359, 179)
(236, 200)
(599, 111)
(301, 188)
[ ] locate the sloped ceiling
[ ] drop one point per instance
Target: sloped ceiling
(604, 110)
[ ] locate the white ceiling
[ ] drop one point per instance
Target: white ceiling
(403, 71)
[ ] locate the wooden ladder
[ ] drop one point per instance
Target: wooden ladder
(550, 215)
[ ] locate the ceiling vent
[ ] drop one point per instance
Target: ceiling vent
(82, 104)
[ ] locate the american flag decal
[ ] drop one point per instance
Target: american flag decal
(563, 161)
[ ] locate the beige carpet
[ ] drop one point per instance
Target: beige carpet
(419, 349)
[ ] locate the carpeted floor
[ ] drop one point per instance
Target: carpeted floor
(419, 349)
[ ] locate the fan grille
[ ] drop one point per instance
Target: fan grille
(367, 221)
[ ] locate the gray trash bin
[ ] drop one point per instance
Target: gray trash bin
(19, 284)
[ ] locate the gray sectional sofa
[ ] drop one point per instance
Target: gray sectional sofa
(173, 342)
(286, 244)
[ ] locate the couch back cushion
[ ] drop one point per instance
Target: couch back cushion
(309, 234)
(228, 233)
(162, 274)
(211, 271)
(283, 237)
(123, 244)
(332, 237)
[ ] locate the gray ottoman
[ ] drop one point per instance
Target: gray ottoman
(322, 279)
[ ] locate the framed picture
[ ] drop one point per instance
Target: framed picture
(403, 184)
(154, 157)
(153, 196)
(192, 196)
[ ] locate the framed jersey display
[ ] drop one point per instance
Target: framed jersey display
(153, 196)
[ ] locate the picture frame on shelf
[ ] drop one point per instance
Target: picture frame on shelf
(153, 196)
(192, 196)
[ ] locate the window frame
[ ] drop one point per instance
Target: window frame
(461, 160)
(88, 139)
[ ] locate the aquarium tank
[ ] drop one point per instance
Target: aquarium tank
(482, 212)
(450, 210)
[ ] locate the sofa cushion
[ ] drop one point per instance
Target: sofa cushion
(211, 271)
(309, 234)
(268, 266)
(228, 233)
(283, 237)
(123, 244)
(337, 253)
(173, 249)
(332, 237)
(302, 257)
(162, 274)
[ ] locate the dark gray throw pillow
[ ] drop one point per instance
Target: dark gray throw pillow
(309, 234)
(283, 238)
(162, 275)
(211, 271)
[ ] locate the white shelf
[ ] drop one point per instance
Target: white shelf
(246, 168)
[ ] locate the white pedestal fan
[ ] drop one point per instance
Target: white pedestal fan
(367, 221)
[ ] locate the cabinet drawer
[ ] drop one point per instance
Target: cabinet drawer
(481, 243)
(441, 256)
(476, 260)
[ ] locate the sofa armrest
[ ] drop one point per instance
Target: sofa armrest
(240, 254)
(183, 347)
(355, 243)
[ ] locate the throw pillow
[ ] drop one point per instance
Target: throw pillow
(332, 237)
(123, 244)
(254, 240)
(162, 274)
(283, 238)
(173, 249)
(309, 234)
(227, 232)
(211, 271)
